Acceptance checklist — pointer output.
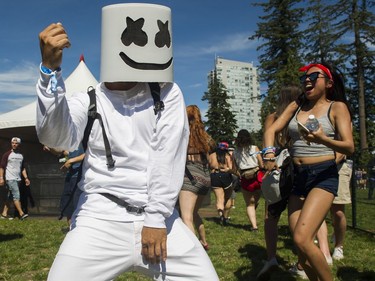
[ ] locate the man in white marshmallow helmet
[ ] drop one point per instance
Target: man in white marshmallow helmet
(135, 157)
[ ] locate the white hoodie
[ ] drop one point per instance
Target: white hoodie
(149, 150)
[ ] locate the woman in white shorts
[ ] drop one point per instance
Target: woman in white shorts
(344, 166)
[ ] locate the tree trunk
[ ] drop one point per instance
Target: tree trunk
(360, 77)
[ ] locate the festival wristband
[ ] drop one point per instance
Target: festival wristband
(47, 70)
(269, 159)
(51, 72)
(268, 148)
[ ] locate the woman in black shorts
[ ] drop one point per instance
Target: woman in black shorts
(221, 179)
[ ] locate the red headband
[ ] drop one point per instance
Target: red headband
(322, 67)
(223, 145)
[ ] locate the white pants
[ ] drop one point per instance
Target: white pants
(102, 250)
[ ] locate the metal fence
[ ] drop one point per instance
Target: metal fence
(360, 215)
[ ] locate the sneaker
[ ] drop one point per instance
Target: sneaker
(24, 216)
(338, 253)
(329, 260)
(267, 269)
(298, 272)
(6, 217)
(224, 221)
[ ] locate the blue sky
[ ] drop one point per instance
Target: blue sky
(202, 29)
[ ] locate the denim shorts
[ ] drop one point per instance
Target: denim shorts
(322, 175)
(13, 189)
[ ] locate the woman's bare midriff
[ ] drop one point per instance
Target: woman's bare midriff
(312, 160)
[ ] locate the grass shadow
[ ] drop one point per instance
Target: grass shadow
(349, 273)
(9, 237)
(286, 237)
(256, 254)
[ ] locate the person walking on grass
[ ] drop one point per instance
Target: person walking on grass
(248, 162)
(71, 166)
(11, 170)
(197, 181)
(273, 212)
(343, 198)
(313, 153)
(220, 163)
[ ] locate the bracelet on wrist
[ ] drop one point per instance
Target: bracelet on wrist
(52, 73)
(268, 148)
(269, 159)
(269, 152)
(47, 70)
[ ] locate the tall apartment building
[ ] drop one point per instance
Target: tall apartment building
(243, 89)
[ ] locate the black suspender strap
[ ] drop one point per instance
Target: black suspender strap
(155, 92)
(92, 115)
(108, 152)
(126, 205)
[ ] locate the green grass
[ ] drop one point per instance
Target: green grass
(27, 248)
(365, 211)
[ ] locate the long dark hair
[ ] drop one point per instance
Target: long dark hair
(244, 139)
(337, 91)
(220, 155)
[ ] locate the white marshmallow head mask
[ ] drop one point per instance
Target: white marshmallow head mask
(136, 43)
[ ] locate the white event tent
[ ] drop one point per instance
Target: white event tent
(78, 81)
(43, 168)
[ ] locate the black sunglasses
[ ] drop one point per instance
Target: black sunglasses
(312, 76)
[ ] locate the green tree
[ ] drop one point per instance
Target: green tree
(320, 38)
(221, 123)
(281, 42)
(357, 21)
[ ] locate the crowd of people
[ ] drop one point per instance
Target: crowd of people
(321, 177)
(148, 162)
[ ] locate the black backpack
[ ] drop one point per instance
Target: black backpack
(92, 116)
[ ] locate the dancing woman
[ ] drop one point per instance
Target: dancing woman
(316, 177)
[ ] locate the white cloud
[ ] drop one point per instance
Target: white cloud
(197, 85)
(19, 81)
(17, 86)
(227, 44)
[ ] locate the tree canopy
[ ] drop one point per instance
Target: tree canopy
(340, 32)
(221, 123)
